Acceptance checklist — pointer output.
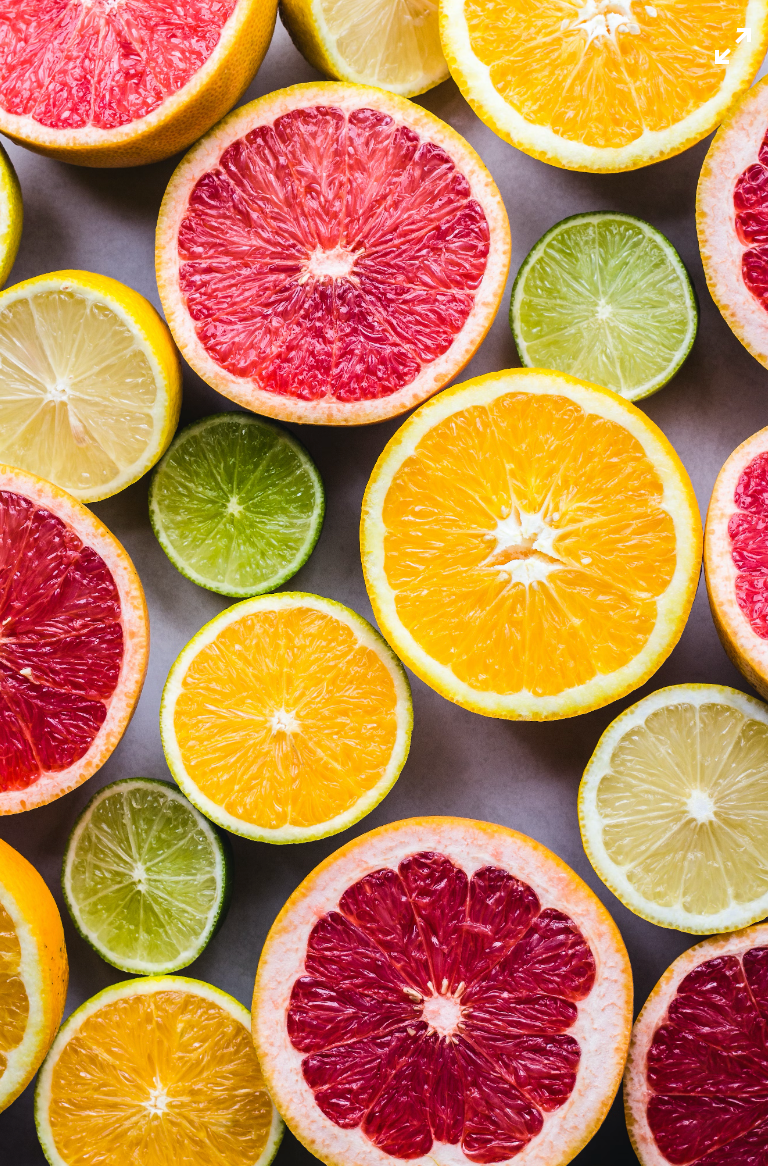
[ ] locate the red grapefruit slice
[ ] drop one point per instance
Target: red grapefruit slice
(74, 640)
(732, 220)
(331, 253)
(696, 1086)
(124, 82)
(736, 558)
(444, 991)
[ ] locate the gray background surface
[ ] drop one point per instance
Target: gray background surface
(522, 775)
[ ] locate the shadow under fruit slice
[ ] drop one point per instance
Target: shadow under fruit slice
(331, 253)
(33, 972)
(736, 558)
(443, 990)
(286, 718)
(531, 545)
(696, 1085)
(74, 641)
(156, 1071)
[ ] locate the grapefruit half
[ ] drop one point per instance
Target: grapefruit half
(732, 220)
(74, 641)
(331, 253)
(124, 82)
(443, 991)
(696, 1085)
(736, 558)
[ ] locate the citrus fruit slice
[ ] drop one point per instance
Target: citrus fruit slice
(605, 297)
(91, 386)
(74, 641)
(736, 558)
(286, 718)
(531, 545)
(33, 972)
(145, 877)
(603, 84)
(237, 504)
(331, 253)
(156, 1071)
(696, 1085)
(11, 215)
(447, 991)
(671, 808)
(393, 44)
(732, 217)
(125, 83)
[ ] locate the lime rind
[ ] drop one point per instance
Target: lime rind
(11, 215)
(200, 491)
(625, 319)
(122, 895)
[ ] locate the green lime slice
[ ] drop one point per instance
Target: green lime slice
(146, 877)
(606, 298)
(237, 504)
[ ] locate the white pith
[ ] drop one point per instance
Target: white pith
(673, 604)
(604, 18)
(698, 804)
(144, 987)
(524, 548)
(21, 1059)
(473, 78)
(133, 667)
(735, 147)
(205, 156)
(283, 719)
(636, 1091)
(601, 1028)
(749, 649)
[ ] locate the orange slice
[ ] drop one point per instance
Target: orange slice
(531, 545)
(33, 972)
(156, 1072)
(603, 84)
(286, 718)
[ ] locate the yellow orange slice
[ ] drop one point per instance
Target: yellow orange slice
(603, 84)
(33, 972)
(531, 545)
(156, 1072)
(286, 718)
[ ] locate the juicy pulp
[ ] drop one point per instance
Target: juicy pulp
(748, 532)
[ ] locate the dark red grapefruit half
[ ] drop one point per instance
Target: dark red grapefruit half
(442, 990)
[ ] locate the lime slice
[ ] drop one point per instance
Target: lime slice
(237, 504)
(145, 877)
(11, 214)
(606, 298)
(673, 808)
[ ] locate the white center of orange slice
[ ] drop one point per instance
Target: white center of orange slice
(604, 18)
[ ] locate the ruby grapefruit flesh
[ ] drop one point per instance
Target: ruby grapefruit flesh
(750, 202)
(748, 532)
(436, 1008)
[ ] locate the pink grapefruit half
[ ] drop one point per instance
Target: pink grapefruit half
(736, 558)
(696, 1085)
(74, 641)
(331, 253)
(443, 991)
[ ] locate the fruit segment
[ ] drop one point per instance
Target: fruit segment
(750, 201)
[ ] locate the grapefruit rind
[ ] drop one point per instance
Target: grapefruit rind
(366, 635)
(651, 1016)
(206, 154)
(590, 821)
(11, 216)
(135, 623)
(747, 650)
(177, 121)
(473, 79)
(735, 147)
(674, 604)
(44, 969)
(145, 986)
(603, 1023)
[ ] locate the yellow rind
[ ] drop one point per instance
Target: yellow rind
(11, 215)
(45, 970)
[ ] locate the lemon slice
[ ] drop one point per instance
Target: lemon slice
(674, 808)
(10, 215)
(90, 382)
(392, 44)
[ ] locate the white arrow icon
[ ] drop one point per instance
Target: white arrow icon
(722, 58)
(744, 34)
